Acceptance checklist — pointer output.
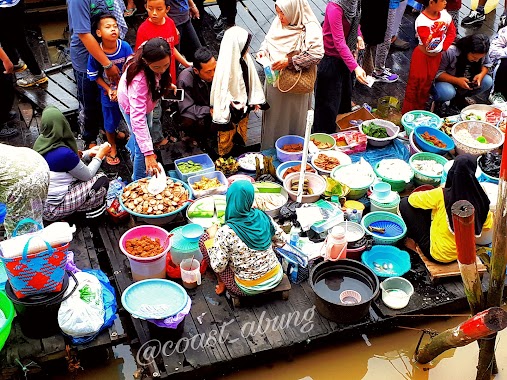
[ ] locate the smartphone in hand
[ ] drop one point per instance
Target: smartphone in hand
(178, 97)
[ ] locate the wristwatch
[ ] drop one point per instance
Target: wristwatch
(108, 66)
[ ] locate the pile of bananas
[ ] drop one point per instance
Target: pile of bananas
(227, 166)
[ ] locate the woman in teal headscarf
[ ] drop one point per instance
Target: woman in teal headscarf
(240, 252)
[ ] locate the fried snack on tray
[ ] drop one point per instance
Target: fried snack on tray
(321, 144)
(433, 140)
(325, 162)
(297, 169)
(143, 246)
(137, 198)
(207, 183)
(293, 148)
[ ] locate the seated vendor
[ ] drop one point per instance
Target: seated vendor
(428, 215)
(195, 108)
(73, 186)
(463, 71)
(241, 252)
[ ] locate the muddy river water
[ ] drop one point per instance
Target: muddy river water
(379, 357)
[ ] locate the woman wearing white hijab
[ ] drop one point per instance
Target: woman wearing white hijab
(293, 41)
(236, 89)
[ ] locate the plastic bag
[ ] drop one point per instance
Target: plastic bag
(294, 263)
(83, 312)
(157, 183)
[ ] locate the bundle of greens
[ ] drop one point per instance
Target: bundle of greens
(374, 130)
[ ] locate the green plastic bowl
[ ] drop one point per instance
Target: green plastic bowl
(8, 309)
(325, 138)
(354, 193)
(396, 185)
(425, 179)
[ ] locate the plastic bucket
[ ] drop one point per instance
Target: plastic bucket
(288, 156)
(146, 267)
(8, 310)
(38, 314)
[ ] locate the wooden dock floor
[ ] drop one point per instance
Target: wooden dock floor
(218, 338)
(41, 351)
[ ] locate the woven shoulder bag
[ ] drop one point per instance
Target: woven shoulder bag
(297, 82)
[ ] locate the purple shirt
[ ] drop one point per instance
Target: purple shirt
(335, 28)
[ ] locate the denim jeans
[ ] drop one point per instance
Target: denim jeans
(90, 108)
(136, 156)
(156, 132)
(444, 91)
(189, 41)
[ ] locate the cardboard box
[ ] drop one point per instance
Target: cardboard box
(343, 120)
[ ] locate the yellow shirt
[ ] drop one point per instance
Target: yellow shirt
(442, 241)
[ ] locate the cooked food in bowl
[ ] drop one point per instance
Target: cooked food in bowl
(307, 190)
(433, 140)
(137, 198)
(321, 144)
(297, 169)
(292, 148)
(207, 183)
(325, 162)
(144, 246)
(269, 201)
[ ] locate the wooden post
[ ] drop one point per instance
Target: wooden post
(496, 269)
(464, 231)
(481, 325)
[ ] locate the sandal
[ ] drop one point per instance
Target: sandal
(112, 160)
(129, 12)
(120, 135)
(162, 143)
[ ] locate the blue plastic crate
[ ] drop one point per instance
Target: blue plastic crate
(207, 166)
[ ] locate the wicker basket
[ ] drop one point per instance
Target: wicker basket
(476, 129)
(425, 179)
(387, 216)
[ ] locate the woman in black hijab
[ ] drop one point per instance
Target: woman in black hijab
(428, 213)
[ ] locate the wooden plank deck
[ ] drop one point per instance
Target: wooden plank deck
(41, 351)
(267, 327)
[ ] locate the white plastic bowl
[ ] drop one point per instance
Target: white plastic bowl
(391, 129)
(342, 157)
(316, 182)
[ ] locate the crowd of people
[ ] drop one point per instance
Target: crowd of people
(118, 81)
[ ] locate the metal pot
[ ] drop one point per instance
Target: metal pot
(344, 290)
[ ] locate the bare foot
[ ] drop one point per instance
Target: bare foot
(220, 288)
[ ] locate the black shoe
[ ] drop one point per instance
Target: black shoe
(220, 36)
(7, 131)
(474, 19)
(503, 21)
(219, 24)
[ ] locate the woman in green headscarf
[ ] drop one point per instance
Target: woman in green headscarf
(241, 252)
(73, 186)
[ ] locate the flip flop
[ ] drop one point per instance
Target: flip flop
(129, 12)
(162, 143)
(112, 160)
(120, 135)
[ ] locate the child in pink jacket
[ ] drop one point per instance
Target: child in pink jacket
(145, 80)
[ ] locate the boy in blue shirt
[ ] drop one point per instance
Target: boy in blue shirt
(117, 51)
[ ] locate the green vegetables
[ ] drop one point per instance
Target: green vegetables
(189, 166)
(374, 130)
